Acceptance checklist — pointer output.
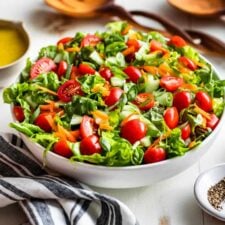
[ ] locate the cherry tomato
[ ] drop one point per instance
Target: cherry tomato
(187, 63)
(177, 41)
(171, 117)
(90, 40)
(204, 101)
(133, 130)
(90, 145)
(85, 69)
(212, 122)
(86, 126)
(64, 40)
(182, 100)
(106, 73)
(154, 154)
(186, 131)
(171, 83)
(133, 43)
(62, 67)
(67, 90)
(43, 65)
(114, 96)
(133, 73)
(144, 101)
(18, 113)
(155, 46)
(61, 148)
(43, 123)
(74, 72)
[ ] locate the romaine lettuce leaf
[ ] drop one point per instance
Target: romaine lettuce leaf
(81, 106)
(164, 98)
(174, 145)
(11, 93)
(26, 128)
(49, 80)
(157, 36)
(116, 26)
(49, 52)
(89, 82)
(25, 74)
(115, 47)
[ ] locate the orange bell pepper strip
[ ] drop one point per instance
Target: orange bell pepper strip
(126, 29)
(65, 134)
(202, 112)
(128, 51)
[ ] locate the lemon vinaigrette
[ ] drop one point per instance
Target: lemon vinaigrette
(12, 45)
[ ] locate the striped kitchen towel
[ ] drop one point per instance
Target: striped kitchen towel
(52, 200)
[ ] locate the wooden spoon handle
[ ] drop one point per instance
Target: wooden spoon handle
(210, 42)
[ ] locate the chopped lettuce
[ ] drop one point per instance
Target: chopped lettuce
(191, 53)
(11, 93)
(27, 128)
(174, 145)
(89, 82)
(49, 80)
(218, 106)
(128, 110)
(117, 60)
(131, 91)
(81, 106)
(158, 37)
(117, 26)
(164, 98)
(114, 48)
(49, 52)
(25, 74)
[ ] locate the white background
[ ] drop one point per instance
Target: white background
(170, 202)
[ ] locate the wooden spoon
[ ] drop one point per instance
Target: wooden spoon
(202, 8)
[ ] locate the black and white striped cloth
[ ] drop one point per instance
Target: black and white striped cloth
(52, 200)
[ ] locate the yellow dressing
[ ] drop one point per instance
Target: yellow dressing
(12, 45)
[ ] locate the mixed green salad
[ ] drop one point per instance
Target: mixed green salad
(117, 98)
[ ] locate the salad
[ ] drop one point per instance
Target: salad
(117, 98)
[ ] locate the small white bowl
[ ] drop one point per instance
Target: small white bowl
(204, 182)
(18, 26)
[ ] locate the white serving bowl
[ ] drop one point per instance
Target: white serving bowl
(123, 177)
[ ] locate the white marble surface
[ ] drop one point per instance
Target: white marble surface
(170, 202)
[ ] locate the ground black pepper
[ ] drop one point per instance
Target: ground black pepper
(216, 194)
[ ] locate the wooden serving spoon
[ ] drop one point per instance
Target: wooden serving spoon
(202, 8)
(91, 9)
